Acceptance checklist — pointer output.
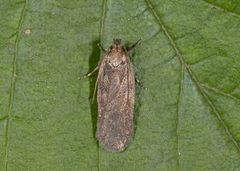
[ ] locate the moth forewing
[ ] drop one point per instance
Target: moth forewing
(115, 97)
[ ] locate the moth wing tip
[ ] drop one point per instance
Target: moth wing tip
(116, 147)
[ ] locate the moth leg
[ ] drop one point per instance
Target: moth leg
(130, 48)
(96, 84)
(92, 72)
(101, 47)
(88, 74)
(95, 90)
(139, 83)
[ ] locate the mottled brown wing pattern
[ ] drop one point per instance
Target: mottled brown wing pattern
(115, 96)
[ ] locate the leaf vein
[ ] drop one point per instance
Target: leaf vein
(4, 118)
(102, 23)
(13, 81)
(188, 69)
(221, 8)
(216, 90)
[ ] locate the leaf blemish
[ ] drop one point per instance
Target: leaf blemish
(28, 31)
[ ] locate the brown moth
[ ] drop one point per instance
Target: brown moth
(115, 97)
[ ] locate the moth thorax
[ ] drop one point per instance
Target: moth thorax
(117, 59)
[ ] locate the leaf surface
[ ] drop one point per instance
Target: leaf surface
(187, 112)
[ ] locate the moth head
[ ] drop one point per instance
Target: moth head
(117, 45)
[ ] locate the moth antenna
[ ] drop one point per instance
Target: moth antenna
(130, 48)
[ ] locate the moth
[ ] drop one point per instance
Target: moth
(115, 87)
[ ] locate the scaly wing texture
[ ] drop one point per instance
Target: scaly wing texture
(115, 105)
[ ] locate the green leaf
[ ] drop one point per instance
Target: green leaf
(187, 112)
